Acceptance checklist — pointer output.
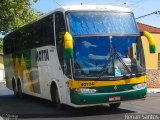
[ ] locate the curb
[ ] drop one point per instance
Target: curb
(153, 90)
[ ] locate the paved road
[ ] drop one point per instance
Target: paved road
(35, 108)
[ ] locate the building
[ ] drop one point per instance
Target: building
(152, 60)
(1, 68)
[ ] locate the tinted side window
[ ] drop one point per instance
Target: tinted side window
(25, 37)
(33, 35)
(16, 42)
(59, 31)
(8, 43)
(43, 32)
(48, 31)
(37, 31)
(5, 45)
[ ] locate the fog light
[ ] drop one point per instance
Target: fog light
(87, 90)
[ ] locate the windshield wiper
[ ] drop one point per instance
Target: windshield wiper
(129, 75)
(140, 74)
(114, 55)
(104, 68)
(112, 58)
(123, 63)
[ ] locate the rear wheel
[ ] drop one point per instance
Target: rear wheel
(14, 88)
(20, 93)
(114, 105)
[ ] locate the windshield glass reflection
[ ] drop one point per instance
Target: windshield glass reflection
(101, 22)
(106, 56)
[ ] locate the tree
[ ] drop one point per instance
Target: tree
(15, 13)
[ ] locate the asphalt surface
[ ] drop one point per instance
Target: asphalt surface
(40, 109)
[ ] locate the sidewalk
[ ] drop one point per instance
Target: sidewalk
(153, 90)
(2, 83)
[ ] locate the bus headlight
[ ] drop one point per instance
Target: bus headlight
(87, 90)
(139, 86)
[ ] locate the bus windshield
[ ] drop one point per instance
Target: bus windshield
(106, 56)
(91, 23)
(106, 45)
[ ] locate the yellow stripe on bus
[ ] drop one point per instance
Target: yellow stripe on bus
(24, 69)
(97, 83)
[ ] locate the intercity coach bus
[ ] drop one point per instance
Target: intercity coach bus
(80, 55)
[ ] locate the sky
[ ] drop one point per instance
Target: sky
(139, 7)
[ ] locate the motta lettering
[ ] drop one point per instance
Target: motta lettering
(42, 55)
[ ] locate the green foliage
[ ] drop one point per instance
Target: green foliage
(15, 13)
(1, 46)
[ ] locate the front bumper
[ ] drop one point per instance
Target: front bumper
(100, 98)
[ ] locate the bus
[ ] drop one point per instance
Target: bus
(79, 55)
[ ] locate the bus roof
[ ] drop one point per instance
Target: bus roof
(93, 8)
(88, 8)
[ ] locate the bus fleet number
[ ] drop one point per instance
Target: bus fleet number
(87, 84)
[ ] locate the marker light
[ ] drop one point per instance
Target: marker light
(68, 45)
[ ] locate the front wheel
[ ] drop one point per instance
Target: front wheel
(20, 93)
(114, 105)
(57, 100)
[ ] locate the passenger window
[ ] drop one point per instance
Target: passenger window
(59, 31)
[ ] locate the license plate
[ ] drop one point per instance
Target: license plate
(115, 98)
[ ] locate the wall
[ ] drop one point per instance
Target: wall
(1, 68)
(153, 78)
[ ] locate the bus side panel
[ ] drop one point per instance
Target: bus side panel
(38, 79)
(56, 75)
(9, 71)
(36, 69)
(28, 72)
(44, 62)
(50, 71)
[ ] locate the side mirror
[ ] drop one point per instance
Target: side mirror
(68, 45)
(152, 43)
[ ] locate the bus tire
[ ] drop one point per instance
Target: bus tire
(55, 96)
(20, 93)
(14, 87)
(57, 100)
(114, 105)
